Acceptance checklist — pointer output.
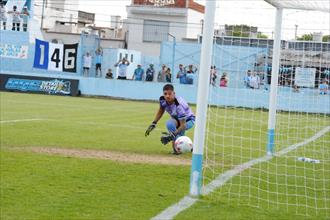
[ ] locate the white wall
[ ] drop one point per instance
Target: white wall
(67, 38)
(194, 23)
(176, 18)
(51, 15)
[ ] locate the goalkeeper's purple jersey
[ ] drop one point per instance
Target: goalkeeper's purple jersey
(179, 110)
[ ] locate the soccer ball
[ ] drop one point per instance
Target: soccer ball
(183, 144)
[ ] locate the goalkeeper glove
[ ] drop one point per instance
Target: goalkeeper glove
(167, 137)
(150, 128)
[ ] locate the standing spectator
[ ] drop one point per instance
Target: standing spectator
(295, 88)
(213, 75)
(87, 64)
(150, 73)
(324, 87)
(3, 16)
(98, 62)
(224, 80)
(181, 75)
(122, 65)
(138, 73)
(162, 74)
(109, 74)
(168, 75)
(15, 18)
(247, 78)
(190, 74)
(25, 18)
(254, 81)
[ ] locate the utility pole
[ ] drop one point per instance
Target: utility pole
(296, 31)
(42, 15)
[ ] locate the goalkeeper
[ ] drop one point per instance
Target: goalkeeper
(182, 117)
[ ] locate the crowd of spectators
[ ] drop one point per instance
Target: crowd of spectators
(19, 18)
(187, 74)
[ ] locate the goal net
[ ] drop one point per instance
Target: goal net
(296, 178)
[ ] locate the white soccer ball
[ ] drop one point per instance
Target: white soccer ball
(183, 144)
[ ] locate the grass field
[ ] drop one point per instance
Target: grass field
(43, 186)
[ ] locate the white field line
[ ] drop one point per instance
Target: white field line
(135, 127)
(79, 106)
(22, 120)
(185, 203)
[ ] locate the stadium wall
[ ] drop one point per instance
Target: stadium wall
(226, 59)
(307, 100)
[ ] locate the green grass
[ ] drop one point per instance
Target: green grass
(80, 123)
(50, 187)
(53, 187)
(282, 188)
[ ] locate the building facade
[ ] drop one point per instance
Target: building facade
(150, 22)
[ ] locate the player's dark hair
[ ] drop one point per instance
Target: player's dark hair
(168, 87)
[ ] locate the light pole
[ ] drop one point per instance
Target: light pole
(173, 55)
(42, 15)
(296, 31)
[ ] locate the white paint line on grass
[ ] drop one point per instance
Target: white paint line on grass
(21, 120)
(187, 201)
(184, 203)
(295, 146)
(136, 127)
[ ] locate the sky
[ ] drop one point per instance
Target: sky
(251, 12)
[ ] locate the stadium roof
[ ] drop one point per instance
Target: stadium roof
(315, 5)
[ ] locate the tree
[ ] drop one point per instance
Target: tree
(306, 37)
(326, 38)
(261, 35)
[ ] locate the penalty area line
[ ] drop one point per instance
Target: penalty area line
(21, 120)
(188, 201)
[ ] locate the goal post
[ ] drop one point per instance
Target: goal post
(202, 99)
(274, 82)
(262, 132)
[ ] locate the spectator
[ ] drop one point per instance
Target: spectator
(25, 18)
(109, 74)
(190, 74)
(138, 73)
(150, 73)
(15, 18)
(122, 65)
(247, 78)
(181, 75)
(87, 64)
(254, 81)
(168, 75)
(162, 74)
(213, 75)
(98, 62)
(3, 16)
(295, 88)
(224, 80)
(324, 87)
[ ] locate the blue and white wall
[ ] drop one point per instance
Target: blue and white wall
(234, 60)
(307, 100)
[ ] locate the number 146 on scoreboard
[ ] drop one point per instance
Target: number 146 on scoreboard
(55, 57)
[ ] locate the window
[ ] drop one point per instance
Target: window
(155, 31)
